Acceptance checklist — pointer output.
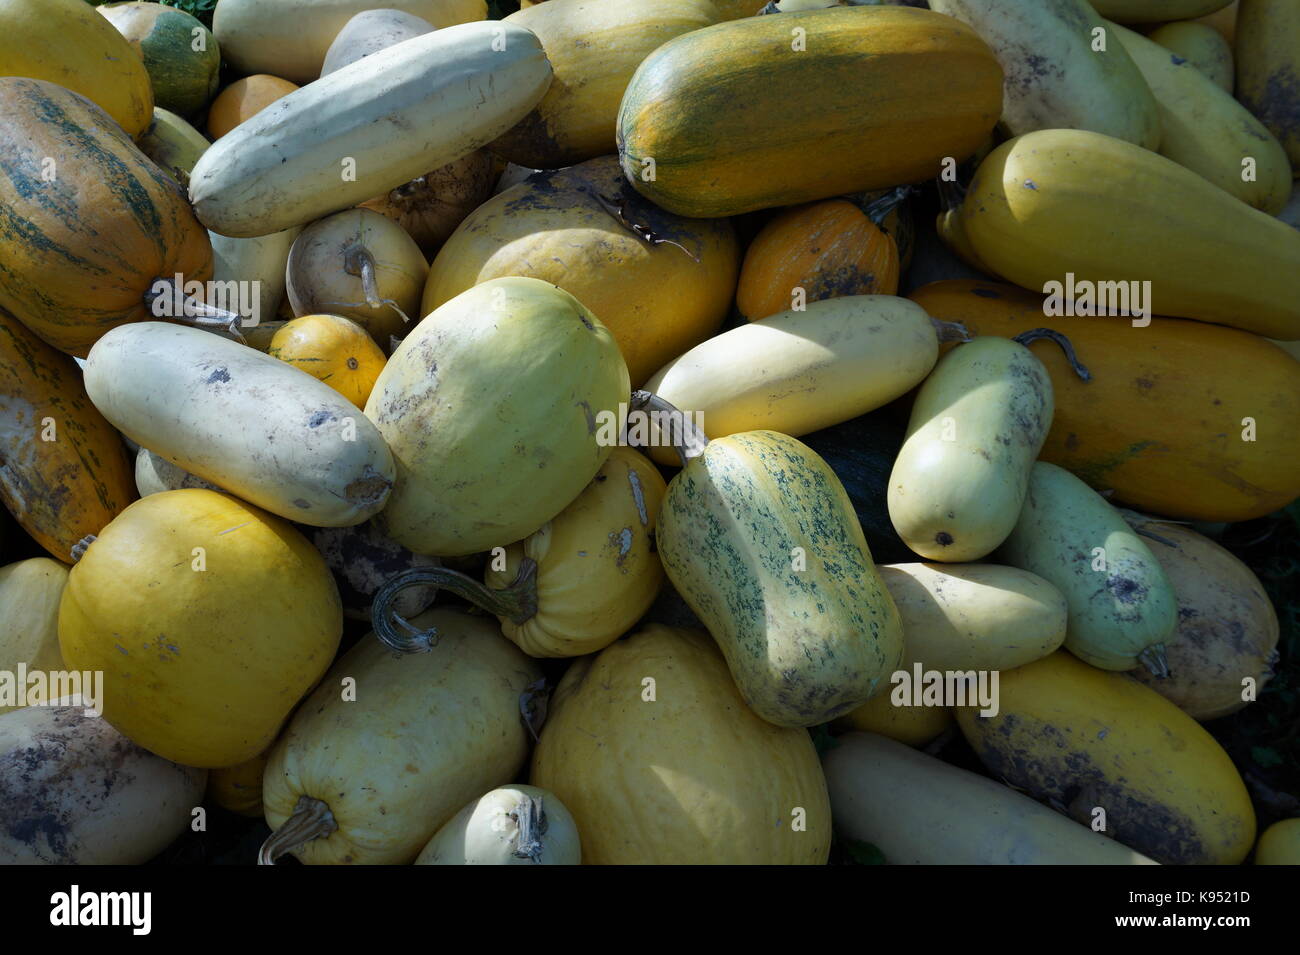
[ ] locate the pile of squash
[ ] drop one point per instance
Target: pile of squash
(579, 436)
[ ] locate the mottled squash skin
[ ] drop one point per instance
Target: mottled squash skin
(1268, 68)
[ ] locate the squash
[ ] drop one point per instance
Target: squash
(1089, 739)
(431, 206)
(977, 425)
(1202, 46)
(67, 42)
(1154, 11)
(657, 299)
(238, 789)
(83, 251)
(1225, 21)
(1161, 421)
(202, 661)
(1268, 68)
(1068, 201)
(594, 46)
(798, 371)
(1054, 74)
(759, 537)
(361, 265)
(59, 490)
(919, 810)
(261, 335)
(1227, 628)
(1291, 214)
(173, 144)
(259, 265)
(315, 151)
(369, 32)
(1207, 131)
(333, 350)
(154, 475)
(695, 128)
(274, 435)
(479, 466)
(244, 99)
(890, 210)
(513, 825)
(363, 559)
(1279, 844)
(75, 791)
(29, 622)
(824, 250)
(698, 778)
(180, 53)
(350, 783)
(292, 37)
(1122, 608)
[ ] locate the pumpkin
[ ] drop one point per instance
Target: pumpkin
(244, 99)
(698, 778)
(238, 789)
(513, 825)
(1202, 46)
(1279, 844)
(334, 350)
(29, 622)
(430, 207)
(1268, 68)
(180, 53)
(369, 32)
(259, 266)
(173, 144)
(202, 662)
(83, 252)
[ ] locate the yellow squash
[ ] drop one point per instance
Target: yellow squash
(331, 349)
(1202, 46)
(1268, 68)
(1280, 844)
(238, 789)
(30, 591)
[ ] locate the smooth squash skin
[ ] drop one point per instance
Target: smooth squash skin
(1202, 46)
(331, 349)
(1161, 421)
(919, 810)
(30, 591)
(699, 136)
(513, 825)
(1268, 68)
(760, 539)
(699, 779)
(1280, 844)
(245, 98)
(977, 425)
(173, 144)
(238, 789)
(180, 53)
(1068, 201)
(1090, 739)
(260, 260)
(1122, 608)
(369, 32)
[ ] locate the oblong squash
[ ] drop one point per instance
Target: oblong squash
(699, 779)
(1091, 739)
(513, 825)
(369, 32)
(695, 130)
(1202, 46)
(259, 263)
(180, 53)
(30, 591)
(1268, 68)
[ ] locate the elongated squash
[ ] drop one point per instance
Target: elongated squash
(258, 265)
(83, 250)
(1202, 46)
(1160, 423)
(696, 131)
(699, 779)
(30, 591)
(180, 53)
(369, 32)
(315, 151)
(513, 825)
(919, 810)
(1268, 68)
(263, 430)
(1279, 844)
(173, 144)
(1068, 201)
(760, 539)
(1095, 740)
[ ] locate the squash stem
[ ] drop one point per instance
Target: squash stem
(1034, 334)
(532, 826)
(311, 819)
(188, 310)
(1153, 658)
(79, 548)
(692, 439)
(358, 261)
(950, 331)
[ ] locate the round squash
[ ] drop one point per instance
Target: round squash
(243, 99)
(430, 207)
(173, 144)
(650, 746)
(180, 53)
(210, 620)
(331, 349)
(513, 825)
(568, 228)
(238, 789)
(30, 591)
(1280, 844)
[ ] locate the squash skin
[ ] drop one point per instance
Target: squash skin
(1088, 738)
(1268, 68)
(61, 490)
(263, 260)
(200, 667)
(804, 645)
(1154, 11)
(173, 144)
(487, 832)
(390, 789)
(183, 79)
(1279, 844)
(154, 475)
(331, 349)
(81, 253)
(243, 99)
(369, 32)
(1163, 437)
(67, 42)
(1200, 44)
(655, 301)
(1108, 211)
(431, 206)
(30, 591)
(698, 778)
(697, 92)
(238, 789)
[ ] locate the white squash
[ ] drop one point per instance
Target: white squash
(513, 825)
(258, 260)
(30, 591)
(154, 474)
(369, 32)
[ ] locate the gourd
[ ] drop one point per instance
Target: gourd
(431, 206)
(63, 489)
(67, 42)
(29, 623)
(289, 164)
(75, 791)
(919, 810)
(1154, 11)
(513, 825)
(567, 227)
(1089, 739)
(369, 32)
(350, 783)
(1202, 46)
(260, 264)
(574, 586)
(173, 144)
(1068, 201)
(594, 46)
(699, 779)
(244, 99)
(154, 475)
(1268, 64)
(180, 54)
(331, 349)
(275, 436)
(694, 112)
(1161, 421)
(360, 265)
(479, 466)
(1122, 608)
(760, 539)
(1279, 844)
(363, 559)
(90, 249)
(202, 662)
(823, 250)
(1224, 21)
(238, 789)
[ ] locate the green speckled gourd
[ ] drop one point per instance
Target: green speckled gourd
(760, 538)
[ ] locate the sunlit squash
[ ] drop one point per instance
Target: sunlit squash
(331, 349)
(243, 99)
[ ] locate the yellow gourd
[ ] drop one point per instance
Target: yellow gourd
(239, 788)
(334, 350)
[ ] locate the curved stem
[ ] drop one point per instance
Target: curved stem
(531, 820)
(686, 439)
(358, 261)
(311, 819)
(1153, 658)
(1034, 334)
(950, 331)
(879, 209)
(179, 307)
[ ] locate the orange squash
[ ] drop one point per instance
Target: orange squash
(243, 99)
(331, 349)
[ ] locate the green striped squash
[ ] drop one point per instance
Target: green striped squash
(180, 53)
